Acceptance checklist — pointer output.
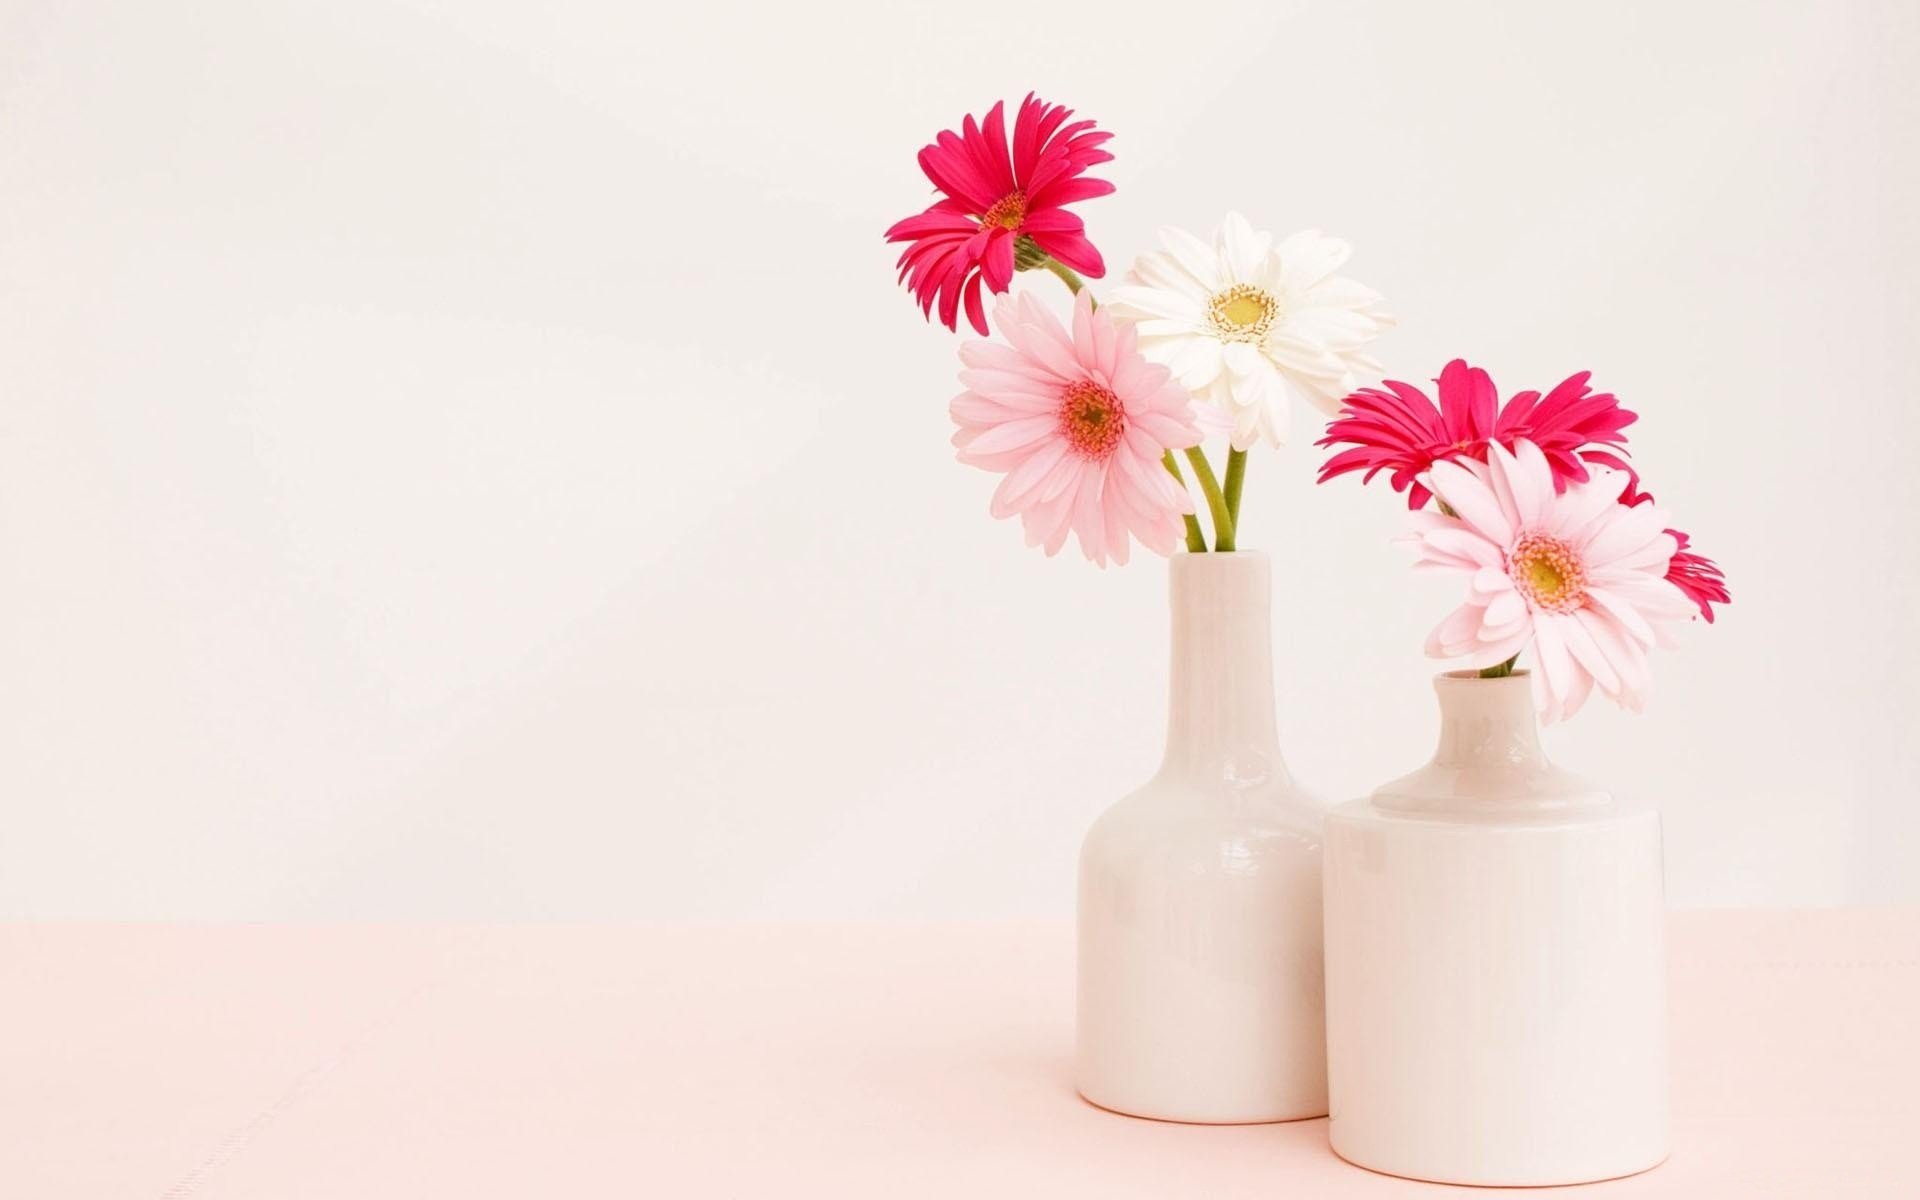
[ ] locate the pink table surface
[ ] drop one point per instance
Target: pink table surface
(161, 1062)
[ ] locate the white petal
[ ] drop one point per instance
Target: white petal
(1337, 291)
(1278, 407)
(1195, 361)
(1336, 328)
(1195, 257)
(1163, 272)
(1136, 301)
(1303, 356)
(1243, 250)
(1242, 359)
(1309, 257)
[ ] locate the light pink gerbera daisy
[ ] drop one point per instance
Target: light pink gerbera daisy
(1579, 575)
(993, 198)
(1079, 423)
(1397, 428)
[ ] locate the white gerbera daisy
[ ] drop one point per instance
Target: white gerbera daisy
(1247, 324)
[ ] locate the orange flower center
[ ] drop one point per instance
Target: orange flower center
(1092, 419)
(1007, 212)
(1548, 573)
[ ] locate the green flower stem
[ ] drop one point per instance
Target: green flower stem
(1236, 477)
(1216, 503)
(1074, 282)
(1196, 540)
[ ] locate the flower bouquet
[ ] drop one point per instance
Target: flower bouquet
(1492, 924)
(1088, 418)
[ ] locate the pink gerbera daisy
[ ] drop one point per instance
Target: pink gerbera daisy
(1078, 421)
(1397, 428)
(1699, 577)
(994, 198)
(1576, 574)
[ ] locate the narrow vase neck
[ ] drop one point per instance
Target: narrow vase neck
(1220, 718)
(1487, 722)
(1489, 764)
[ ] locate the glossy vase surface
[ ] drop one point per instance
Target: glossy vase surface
(1496, 964)
(1200, 990)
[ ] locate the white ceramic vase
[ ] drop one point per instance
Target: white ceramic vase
(1496, 964)
(1200, 987)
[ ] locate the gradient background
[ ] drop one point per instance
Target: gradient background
(471, 460)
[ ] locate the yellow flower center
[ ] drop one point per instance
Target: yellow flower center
(1545, 577)
(1091, 419)
(1548, 573)
(1244, 313)
(1007, 212)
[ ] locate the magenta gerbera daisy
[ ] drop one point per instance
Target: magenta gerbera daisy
(995, 196)
(1397, 428)
(1079, 423)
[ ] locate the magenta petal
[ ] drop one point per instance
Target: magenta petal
(997, 262)
(976, 315)
(949, 254)
(1075, 251)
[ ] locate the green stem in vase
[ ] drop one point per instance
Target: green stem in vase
(1236, 478)
(1067, 276)
(1499, 670)
(1196, 540)
(1216, 503)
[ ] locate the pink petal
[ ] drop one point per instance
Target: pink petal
(1473, 499)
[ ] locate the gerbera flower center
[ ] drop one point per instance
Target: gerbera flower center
(1244, 313)
(1008, 212)
(1092, 419)
(1548, 573)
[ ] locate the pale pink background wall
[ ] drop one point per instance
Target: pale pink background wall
(468, 459)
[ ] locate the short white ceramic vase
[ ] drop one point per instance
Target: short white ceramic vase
(1496, 963)
(1200, 987)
